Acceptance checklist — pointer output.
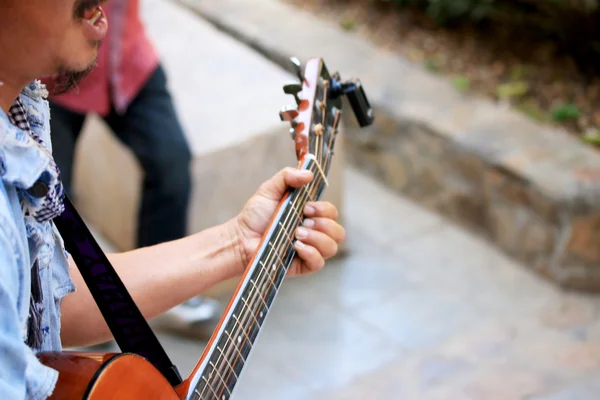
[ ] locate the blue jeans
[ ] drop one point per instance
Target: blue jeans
(151, 129)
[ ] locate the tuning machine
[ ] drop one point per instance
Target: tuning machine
(297, 65)
(288, 113)
(293, 89)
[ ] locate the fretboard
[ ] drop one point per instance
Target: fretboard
(230, 350)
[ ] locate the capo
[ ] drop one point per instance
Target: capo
(356, 96)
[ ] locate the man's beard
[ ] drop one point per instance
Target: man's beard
(67, 80)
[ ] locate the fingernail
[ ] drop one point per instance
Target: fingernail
(309, 223)
(301, 233)
(309, 210)
(299, 245)
(305, 173)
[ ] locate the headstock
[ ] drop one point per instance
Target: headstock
(316, 116)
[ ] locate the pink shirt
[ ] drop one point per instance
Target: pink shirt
(125, 61)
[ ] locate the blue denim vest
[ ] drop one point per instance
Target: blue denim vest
(22, 240)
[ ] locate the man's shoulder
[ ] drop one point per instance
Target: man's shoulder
(22, 160)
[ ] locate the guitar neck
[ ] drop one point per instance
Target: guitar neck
(224, 360)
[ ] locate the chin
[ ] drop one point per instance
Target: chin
(67, 78)
(87, 63)
(85, 56)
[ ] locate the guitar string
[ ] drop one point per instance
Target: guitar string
(319, 137)
(324, 114)
(226, 354)
(218, 364)
(336, 121)
(268, 260)
(275, 250)
(243, 313)
(283, 230)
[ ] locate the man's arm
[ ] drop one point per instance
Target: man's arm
(165, 275)
(158, 278)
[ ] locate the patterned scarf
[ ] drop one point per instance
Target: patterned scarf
(43, 201)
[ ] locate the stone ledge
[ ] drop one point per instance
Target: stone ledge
(531, 189)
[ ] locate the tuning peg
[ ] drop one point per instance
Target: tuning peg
(293, 89)
(298, 66)
(288, 113)
(293, 133)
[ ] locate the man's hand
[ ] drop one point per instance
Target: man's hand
(317, 239)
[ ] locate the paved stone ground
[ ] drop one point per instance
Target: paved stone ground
(419, 309)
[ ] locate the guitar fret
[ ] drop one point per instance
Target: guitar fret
(249, 309)
(263, 304)
(210, 387)
(258, 291)
(270, 294)
(235, 342)
(266, 271)
(293, 207)
(234, 345)
(267, 300)
(277, 254)
(243, 331)
(227, 361)
(220, 377)
(307, 193)
(286, 233)
(239, 361)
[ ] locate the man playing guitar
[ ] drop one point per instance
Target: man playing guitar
(40, 310)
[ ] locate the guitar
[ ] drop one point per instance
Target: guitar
(314, 126)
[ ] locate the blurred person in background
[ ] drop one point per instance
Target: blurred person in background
(128, 89)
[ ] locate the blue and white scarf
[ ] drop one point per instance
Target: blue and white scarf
(44, 200)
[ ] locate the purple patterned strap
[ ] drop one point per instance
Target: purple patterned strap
(127, 324)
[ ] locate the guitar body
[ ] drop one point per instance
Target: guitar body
(99, 376)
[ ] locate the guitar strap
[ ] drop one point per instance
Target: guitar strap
(127, 324)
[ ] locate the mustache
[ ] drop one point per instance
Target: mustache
(82, 5)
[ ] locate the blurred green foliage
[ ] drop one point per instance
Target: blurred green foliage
(574, 24)
(461, 82)
(565, 112)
